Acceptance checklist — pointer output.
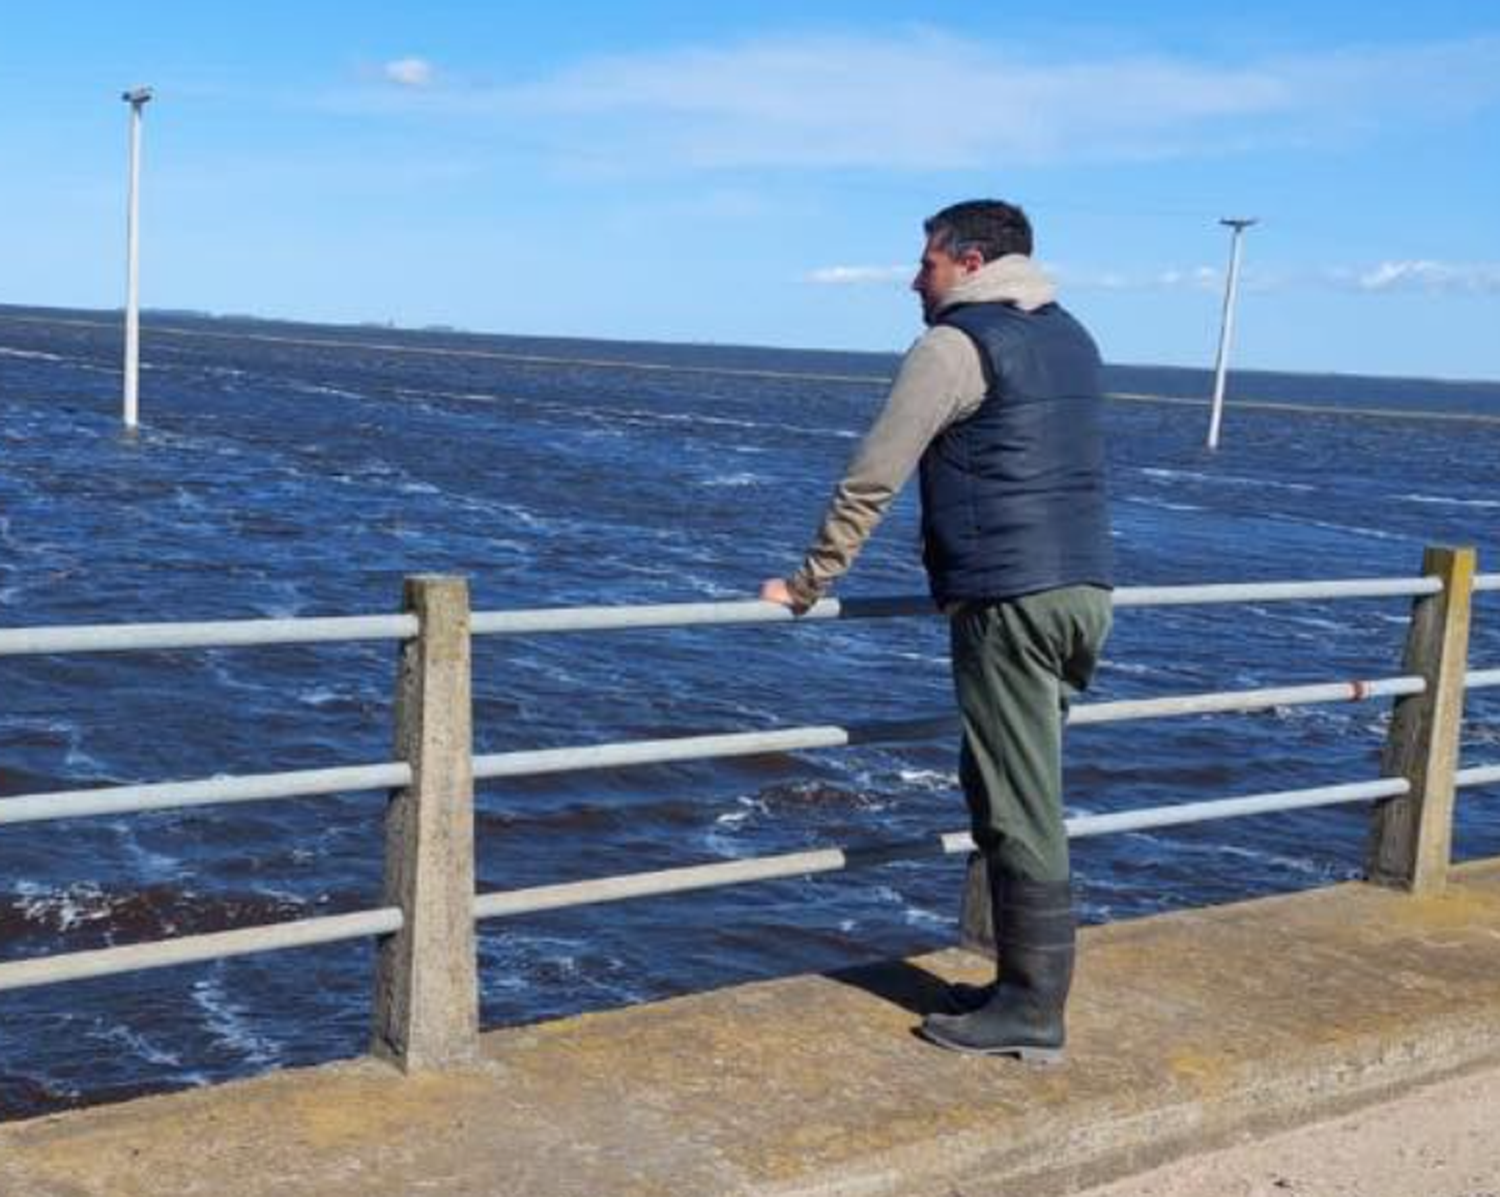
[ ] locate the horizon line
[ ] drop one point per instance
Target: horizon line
(442, 329)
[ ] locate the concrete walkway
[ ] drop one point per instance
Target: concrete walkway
(1436, 1141)
(1189, 1031)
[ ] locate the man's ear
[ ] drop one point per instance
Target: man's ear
(971, 260)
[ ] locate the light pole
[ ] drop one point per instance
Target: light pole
(1237, 225)
(137, 98)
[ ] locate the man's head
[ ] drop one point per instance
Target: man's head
(962, 238)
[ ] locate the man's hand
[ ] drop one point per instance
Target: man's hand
(775, 590)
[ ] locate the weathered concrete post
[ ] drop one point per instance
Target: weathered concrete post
(426, 987)
(1412, 837)
(976, 923)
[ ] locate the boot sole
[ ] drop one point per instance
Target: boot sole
(1041, 1057)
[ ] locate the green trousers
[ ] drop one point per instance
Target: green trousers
(1015, 664)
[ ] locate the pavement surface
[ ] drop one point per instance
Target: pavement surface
(1189, 1032)
(1442, 1140)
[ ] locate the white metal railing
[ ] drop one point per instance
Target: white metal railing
(827, 860)
(395, 775)
(237, 633)
(191, 949)
(118, 800)
(221, 633)
(590, 619)
(1480, 775)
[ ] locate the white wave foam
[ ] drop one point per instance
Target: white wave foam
(1224, 479)
(750, 808)
(140, 1045)
(925, 658)
(1450, 501)
(82, 902)
(1162, 504)
(1161, 472)
(288, 605)
(31, 354)
(1130, 668)
(929, 779)
(313, 388)
(228, 1023)
(77, 758)
(1352, 529)
(915, 916)
(1293, 864)
(734, 480)
(150, 863)
(723, 839)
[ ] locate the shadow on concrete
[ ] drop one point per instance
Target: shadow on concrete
(899, 982)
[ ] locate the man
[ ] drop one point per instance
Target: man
(999, 403)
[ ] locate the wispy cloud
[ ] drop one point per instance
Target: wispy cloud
(1394, 276)
(877, 101)
(408, 72)
(1424, 274)
(856, 275)
(1171, 278)
(1196, 278)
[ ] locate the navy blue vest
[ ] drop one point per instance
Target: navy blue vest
(1013, 496)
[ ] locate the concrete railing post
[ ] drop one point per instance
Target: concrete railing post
(976, 923)
(426, 984)
(1411, 837)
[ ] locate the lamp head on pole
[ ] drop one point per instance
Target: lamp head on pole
(137, 95)
(1238, 222)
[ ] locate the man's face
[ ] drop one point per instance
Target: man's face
(937, 274)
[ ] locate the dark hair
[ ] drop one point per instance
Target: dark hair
(993, 227)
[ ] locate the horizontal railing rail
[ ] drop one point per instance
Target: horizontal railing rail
(656, 883)
(194, 949)
(174, 795)
(1479, 775)
(242, 633)
(826, 860)
(1440, 617)
(595, 619)
(221, 633)
(118, 800)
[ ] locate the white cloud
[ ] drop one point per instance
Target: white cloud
(408, 72)
(1198, 278)
(843, 275)
(893, 101)
(890, 101)
(1424, 274)
(1171, 278)
(1412, 275)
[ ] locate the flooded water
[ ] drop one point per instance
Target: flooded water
(293, 471)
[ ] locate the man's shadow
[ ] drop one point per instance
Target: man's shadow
(899, 982)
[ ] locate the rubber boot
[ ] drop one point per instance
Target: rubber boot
(964, 998)
(1023, 1013)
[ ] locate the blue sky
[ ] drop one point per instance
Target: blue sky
(758, 173)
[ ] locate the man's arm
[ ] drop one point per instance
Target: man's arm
(940, 381)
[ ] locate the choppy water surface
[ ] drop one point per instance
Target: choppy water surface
(283, 478)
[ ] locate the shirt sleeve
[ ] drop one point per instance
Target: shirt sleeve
(940, 382)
